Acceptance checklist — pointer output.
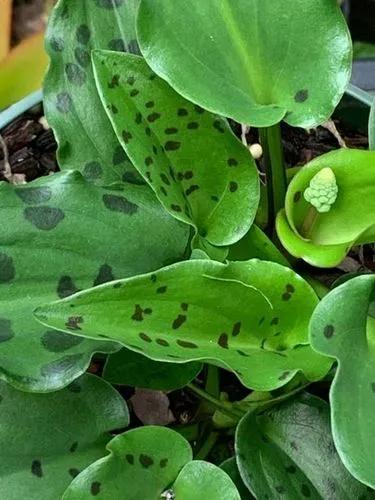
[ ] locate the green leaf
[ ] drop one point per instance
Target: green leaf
(143, 464)
(343, 327)
(71, 102)
(288, 452)
(47, 439)
(251, 317)
(63, 234)
(230, 467)
(371, 130)
(198, 169)
(255, 244)
(323, 239)
(256, 62)
(199, 479)
(130, 368)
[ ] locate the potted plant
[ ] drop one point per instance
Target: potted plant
(164, 252)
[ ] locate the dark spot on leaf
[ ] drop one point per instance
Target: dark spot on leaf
(176, 208)
(7, 270)
(236, 329)
(172, 145)
(145, 337)
(182, 112)
(171, 130)
(133, 48)
(163, 190)
(290, 288)
(223, 341)
(372, 384)
(148, 161)
(119, 204)
(57, 44)
(280, 489)
(83, 34)
(92, 170)
(150, 104)
(153, 278)
(233, 186)
(82, 57)
(193, 125)
(329, 330)
(117, 44)
(191, 189)
(73, 472)
(184, 306)
(165, 179)
(301, 95)
(6, 332)
(215, 198)
(120, 156)
(186, 344)
(198, 109)
(275, 321)
(242, 353)
(148, 131)
(297, 196)
(179, 321)
(66, 287)
(153, 117)
(218, 125)
(286, 296)
(293, 445)
(161, 289)
(63, 102)
(163, 462)
(291, 469)
(130, 459)
(126, 136)
(133, 178)
(130, 80)
(36, 468)
(232, 162)
(115, 82)
(55, 341)
(74, 322)
(75, 74)
(284, 375)
(113, 109)
(162, 342)
(109, 4)
(95, 488)
(44, 218)
(134, 92)
(145, 460)
(305, 490)
(74, 447)
(105, 274)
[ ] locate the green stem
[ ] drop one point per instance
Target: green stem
(226, 408)
(308, 223)
(270, 138)
(212, 381)
(207, 446)
(359, 94)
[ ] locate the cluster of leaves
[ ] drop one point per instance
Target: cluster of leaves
(144, 249)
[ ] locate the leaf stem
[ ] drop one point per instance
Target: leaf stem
(270, 138)
(359, 94)
(225, 407)
(207, 446)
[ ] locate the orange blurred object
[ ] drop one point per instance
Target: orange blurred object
(5, 27)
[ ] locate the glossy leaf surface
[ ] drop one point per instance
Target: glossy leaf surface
(62, 234)
(288, 452)
(230, 467)
(349, 221)
(130, 368)
(251, 317)
(256, 61)
(144, 463)
(47, 439)
(198, 169)
(343, 326)
(71, 102)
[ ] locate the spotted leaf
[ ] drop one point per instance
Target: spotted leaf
(251, 317)
(48, 439)
(288, 452)
(198, 169)
(343, 327)
(256, 61)
(147, 463)
(324, 239)
(62, 235)
(71, 102)
(129, 368)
